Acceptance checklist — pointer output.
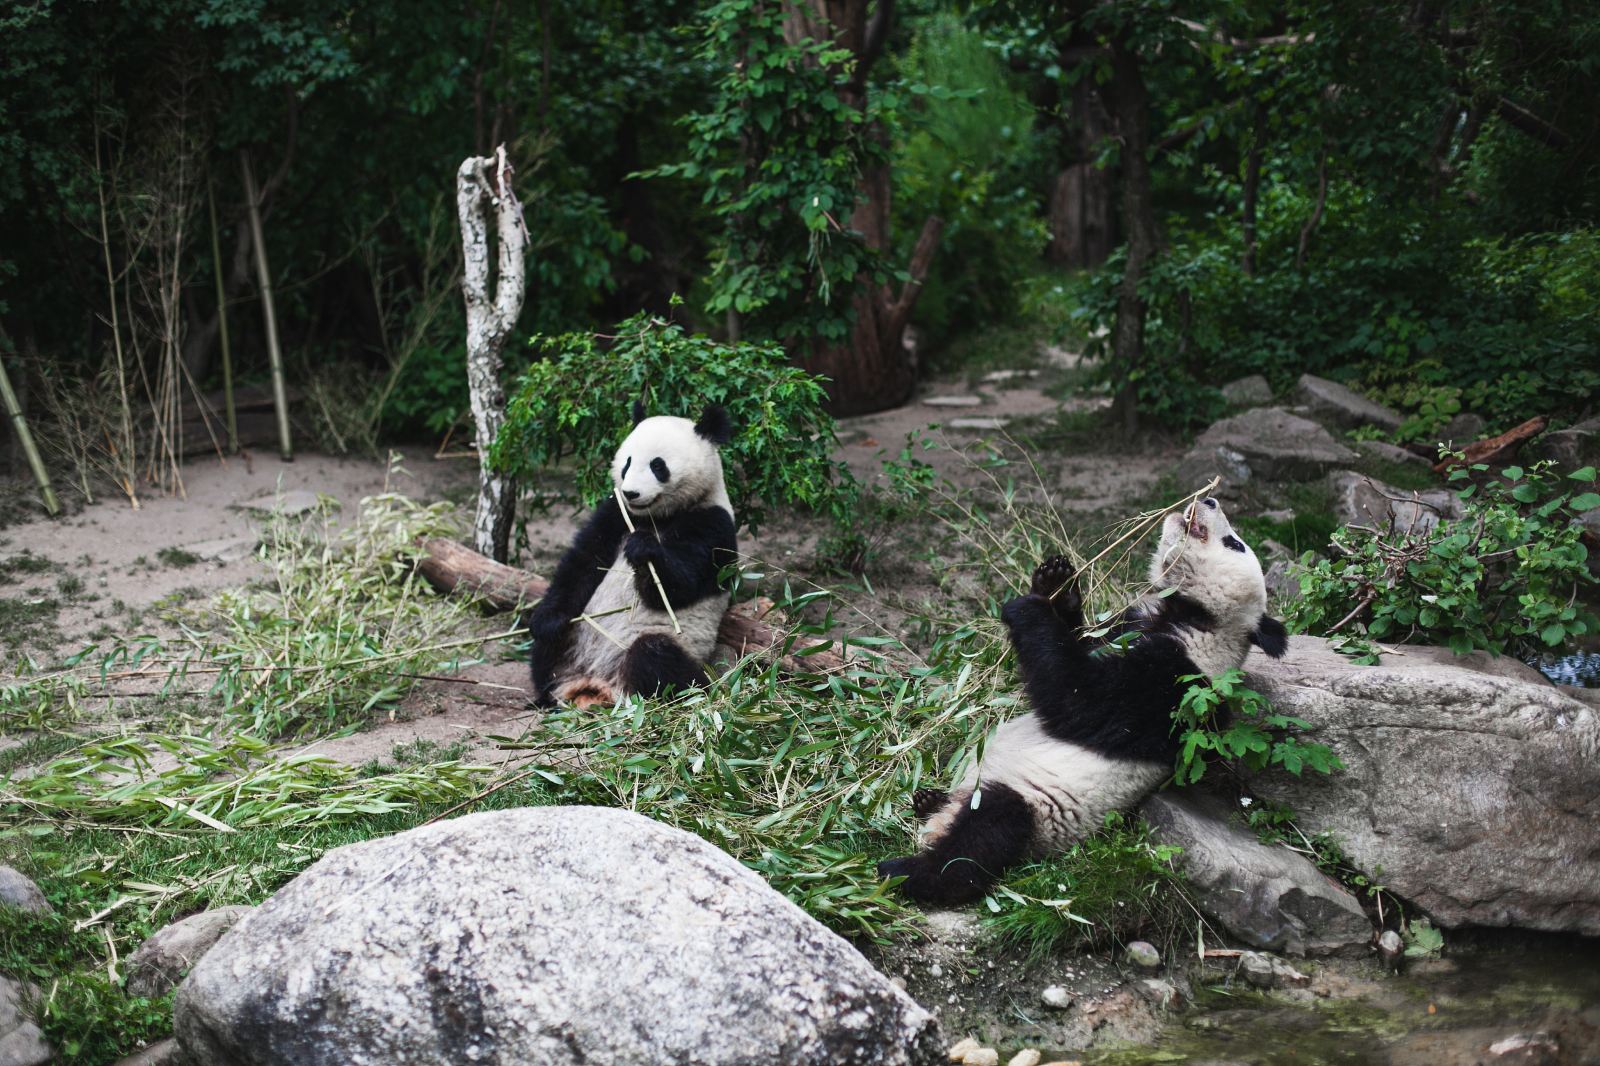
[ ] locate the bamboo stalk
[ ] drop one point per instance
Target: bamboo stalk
(29, 448)
(222, 325)
(622, 505)
(280, 399)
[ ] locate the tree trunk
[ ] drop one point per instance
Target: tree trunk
(1082, 222)
(482, 182)
(1130, 110)
(1252, 189)
(872, 369)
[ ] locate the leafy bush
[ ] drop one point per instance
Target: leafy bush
(1507, 578)
(1256, 735)
(579, 403)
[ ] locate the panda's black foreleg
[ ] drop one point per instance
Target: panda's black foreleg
(927, 802)
(657, 664)
(1045, 628)
(964, 863)
(545, 653)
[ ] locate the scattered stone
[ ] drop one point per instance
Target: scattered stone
(1361, 500)
(986, 425)
(1527, 1048)
(1391, 949)
(1252, 391)
(1281, 517)
(1269, 897)
(1000, 377)
(952, 401)
(1477, 795)
(1342, 406)
(1573, 447)
(1144, 955)
(17, 890)
(1026, 1057)
(958, 1050)
(1264, 442)
(1391, 453)
(556, 935)
(22, 1043)
(1056, 998)
(224, 550)
(1065, 1062)
(1283, 580)
(1462, 429)
(162, 960)
(983, 1056)
(161, 1053)
(291, 504)
(1159, 993)
(1269, 971)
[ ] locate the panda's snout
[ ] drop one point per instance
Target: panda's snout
(630, 494)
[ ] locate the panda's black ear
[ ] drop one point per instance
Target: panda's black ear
(1270, 636)
(714, 424)
(638, 411)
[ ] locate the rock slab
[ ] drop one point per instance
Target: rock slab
(162, 960)
(551, 936)
(1252, 391)
(1265, 442)
(19, 891)
(1269, 897)
(1365, 501)
(22, 1043)
(1342, 406)
(1477, 795)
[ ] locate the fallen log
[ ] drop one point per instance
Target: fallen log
(752, 626)
(1496, 449)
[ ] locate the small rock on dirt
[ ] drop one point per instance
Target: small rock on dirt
(958, 1050)
(162, 960)
(985, 425)
(22, 1043)
(1391, 949)
(952, 401)
(983, 1056)
(224, 550)
(1269, 971)
(1159, 993)
(1464, 428)
(1026, 1057)
(17, 890)
(1144, 955)
(1531, 1048)
(1001, 377)
(1252, 391)
(1343, 406)
(1056, 998)
(162, 1053)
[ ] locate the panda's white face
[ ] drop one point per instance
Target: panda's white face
(666, 466)
(1202, 557)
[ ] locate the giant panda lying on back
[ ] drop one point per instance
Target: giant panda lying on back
(1100, 734)
(670, 474)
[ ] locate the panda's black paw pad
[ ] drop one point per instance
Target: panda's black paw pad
(1056, 580)
(927, 802)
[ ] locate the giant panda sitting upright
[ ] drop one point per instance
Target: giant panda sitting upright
(1100, 734)
(670, 473)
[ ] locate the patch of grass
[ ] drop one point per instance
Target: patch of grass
(24, 564)
(176, 557)
(37, 749)
(70, 586)
(1115, 886)
(29, 623)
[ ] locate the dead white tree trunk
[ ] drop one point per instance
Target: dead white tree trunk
(482, 183)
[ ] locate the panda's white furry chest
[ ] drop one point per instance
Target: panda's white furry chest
(620, 618)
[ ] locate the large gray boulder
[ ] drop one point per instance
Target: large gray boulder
(1342, 406)
(22, 1043)
(18, 890)
(1574, 447)
(1268, 896)
(540, 936)
(163, 959)
(1267, 443)
(1365, 501)
(1474, 794)
(1252, 391)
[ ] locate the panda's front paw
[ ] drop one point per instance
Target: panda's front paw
(546, 624)
(641, 548)
(1056, 580)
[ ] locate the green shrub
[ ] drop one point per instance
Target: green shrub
(1256, 735)
(578, 403)
(1508, 577)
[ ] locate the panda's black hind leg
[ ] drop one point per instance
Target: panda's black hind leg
(657, 664)
(963, 864)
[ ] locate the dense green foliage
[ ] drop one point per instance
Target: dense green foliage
(1511, 576)
(578, 401)
(1256, 735)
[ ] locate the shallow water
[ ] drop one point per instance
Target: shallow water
(1581, 668)
(1440, 1012)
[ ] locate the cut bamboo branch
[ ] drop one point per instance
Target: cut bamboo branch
(746, 627)
(622, 505)
(29, 448)
(270, 315)
(222, 326)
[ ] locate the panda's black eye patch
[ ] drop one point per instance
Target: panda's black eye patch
(659, 468)
(625, 466)
(1233, 543)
